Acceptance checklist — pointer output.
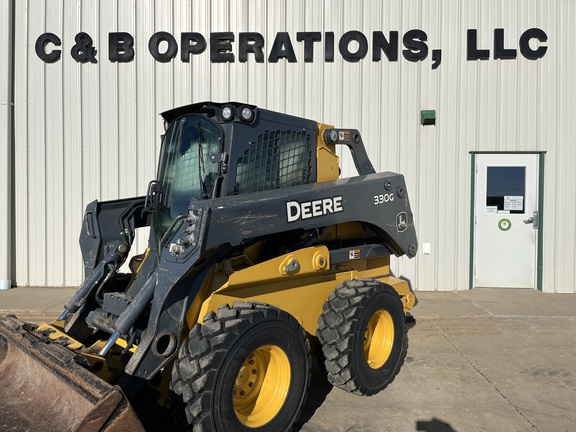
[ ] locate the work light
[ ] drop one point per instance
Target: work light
(247, 114)
(227, 113)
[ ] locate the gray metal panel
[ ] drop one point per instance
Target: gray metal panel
(87, 131)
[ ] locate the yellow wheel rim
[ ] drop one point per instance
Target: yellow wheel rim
(378, 339)
(261, 386)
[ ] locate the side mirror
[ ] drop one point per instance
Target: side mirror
(153, 196)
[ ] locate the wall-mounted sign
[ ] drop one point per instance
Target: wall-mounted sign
(228, 47)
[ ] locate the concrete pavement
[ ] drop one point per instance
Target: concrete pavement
(479, 360)
(35, 304)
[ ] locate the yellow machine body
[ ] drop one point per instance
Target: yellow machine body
(300, 292)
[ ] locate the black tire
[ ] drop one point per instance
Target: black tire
(218, 376)
(363, 336)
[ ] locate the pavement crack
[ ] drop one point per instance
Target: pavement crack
(476, 305)
(494, 386)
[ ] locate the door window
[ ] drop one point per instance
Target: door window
(186, 168)
(505, 189)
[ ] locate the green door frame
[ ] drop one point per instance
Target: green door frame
(539, 263)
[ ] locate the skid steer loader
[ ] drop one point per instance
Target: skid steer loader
(259, 258)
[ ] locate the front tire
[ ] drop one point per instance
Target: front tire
(362, 332)
(245, 368)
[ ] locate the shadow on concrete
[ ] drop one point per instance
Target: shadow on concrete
(434, 425)
(410, 321)
(319, 389)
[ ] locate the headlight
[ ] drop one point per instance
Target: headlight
(228, 113)
(247, 114)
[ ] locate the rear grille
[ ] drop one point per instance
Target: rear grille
(277, 159)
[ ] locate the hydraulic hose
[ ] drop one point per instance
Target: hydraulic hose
(101, 274)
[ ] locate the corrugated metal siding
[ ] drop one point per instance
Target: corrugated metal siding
(6, 144)
(87, 131)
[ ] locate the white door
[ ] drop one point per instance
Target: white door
(506, 220)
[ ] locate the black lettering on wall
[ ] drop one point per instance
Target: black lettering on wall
(352, 45)
(282, 48)
(309, 38)
(436, 58)
(329, 47)
(191, 43)
(415, 43)
(221, 47)
(499, 51)
(472, 52)
(251, 43)
(41, 43)
(83, 51)
(526, 50)
(343, 46)
(381, 45)
(120, 47)
(154, 46)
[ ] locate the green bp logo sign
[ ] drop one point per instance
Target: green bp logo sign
(504, 224)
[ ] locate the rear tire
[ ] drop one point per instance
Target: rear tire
(245, 368)
(363, 336)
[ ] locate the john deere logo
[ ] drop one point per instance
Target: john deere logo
(401, 225)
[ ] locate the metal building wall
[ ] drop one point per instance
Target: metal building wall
(6, 144)
(87, 131)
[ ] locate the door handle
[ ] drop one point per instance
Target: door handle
(534, 220)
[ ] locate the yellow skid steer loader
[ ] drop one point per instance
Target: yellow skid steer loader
(259, 258)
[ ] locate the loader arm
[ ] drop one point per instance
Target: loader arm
(108, 222)
(108, 230)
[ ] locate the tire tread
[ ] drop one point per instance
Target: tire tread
(335, 328)
(199, 357)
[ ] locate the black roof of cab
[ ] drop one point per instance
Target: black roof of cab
(214, 111)
(211, 109)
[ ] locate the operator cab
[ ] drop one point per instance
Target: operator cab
(212, 150)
